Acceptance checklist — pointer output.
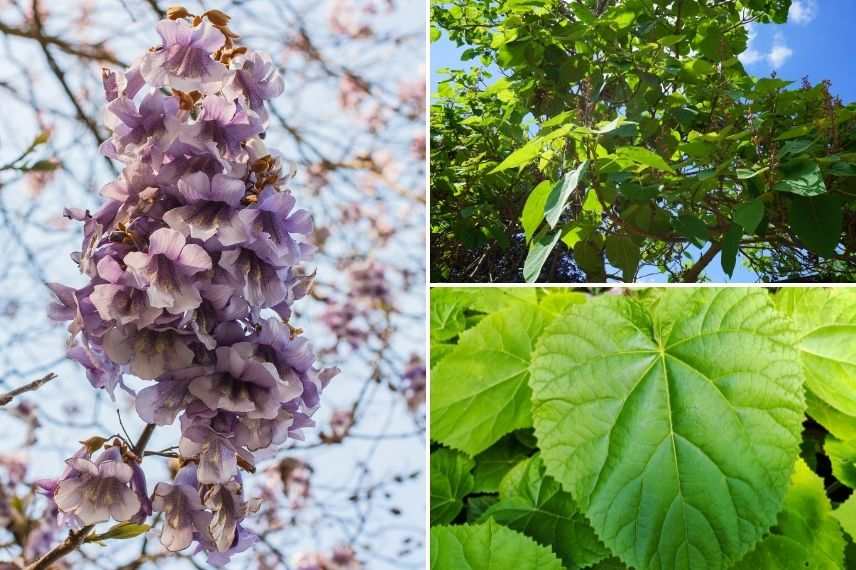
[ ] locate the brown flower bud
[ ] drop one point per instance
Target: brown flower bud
(217, 17)
(176, 12)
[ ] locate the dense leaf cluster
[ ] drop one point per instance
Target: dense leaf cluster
(665, 429)
(595, 140)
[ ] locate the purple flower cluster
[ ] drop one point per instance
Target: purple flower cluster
(194, 262)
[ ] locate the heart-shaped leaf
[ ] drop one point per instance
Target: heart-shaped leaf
(649, 414)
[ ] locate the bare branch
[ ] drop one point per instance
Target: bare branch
(34, 385)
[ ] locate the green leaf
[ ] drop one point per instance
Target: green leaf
(478, 504)
(447, 313)
(806, 535)
(836, 422)
(539, 250)
(767, 85)
(744, 174)
(41, 139)
(479, 392)
(556, 301)
(795, 148)
(825, 320)
(692, 227)
(533, 503)
(749, 215)
(556, 120)
(649, 414)
(817, 222)
(47, 165)
(795, 132)
(699, 67)
(842, 455)
(668, 41)
(493, 463)
(623, 253)
(490, 299)
(588, 255)
(558, 197)
(643, 156)
(802, 177)
(435, 34)
(533, 210)
(730, 247)
(451, 481)
(846, 515)
(119, 531)
(487, 546)
(439, 350)
(520, 157)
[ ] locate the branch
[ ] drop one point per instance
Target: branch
(85, 51)
(70, 544)
(60, 75)
(691, 275)
(34, 385)
(76, 538)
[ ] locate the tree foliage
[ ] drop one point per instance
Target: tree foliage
(608, 139)
(669, 429)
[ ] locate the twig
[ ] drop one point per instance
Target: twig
(692, 274)
(86, 51)
(60, 76)
(74, 540)
(34, 385)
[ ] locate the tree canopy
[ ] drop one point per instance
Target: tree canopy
(601, 140)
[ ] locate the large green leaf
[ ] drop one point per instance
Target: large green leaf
(447, 313)
(623, 253)
(650, 415)
(817, 222)
(560, 193)
(749, 214)
(493, 463)
(539, 250)
(520, 157)
(837, 423)
(533, 503)
(451, 481)
(805, 536)
(487, 546)
(533, 210)
(842, 455)
(479, 392)
(730, 248)
(490, 299)
(846, 515)
(802, 177)
(826, 321)
(645, 157)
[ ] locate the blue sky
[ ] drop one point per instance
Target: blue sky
(818, 42)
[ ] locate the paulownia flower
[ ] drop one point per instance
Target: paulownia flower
(183, 60)
(212, 209)
(196, 237)
(256, 81)
(167, 269)
(97, 491)
(184, 515)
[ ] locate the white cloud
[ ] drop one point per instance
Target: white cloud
(802, 12)
(776, 57)
(751, 56)
(780, 52)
